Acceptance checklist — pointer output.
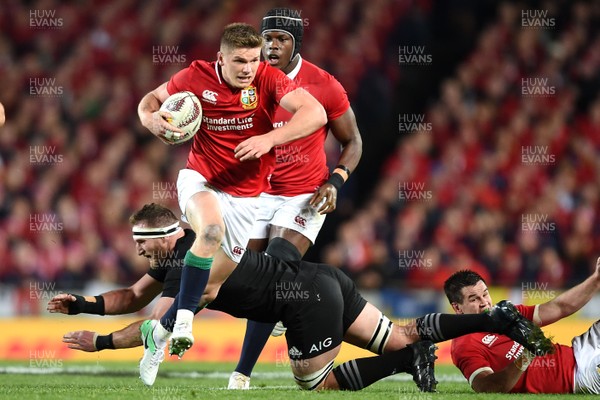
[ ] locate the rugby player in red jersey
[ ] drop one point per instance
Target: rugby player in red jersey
(496, 363)
(302, 189)
(227, 167)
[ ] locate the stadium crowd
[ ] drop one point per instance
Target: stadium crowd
(503, 180)
(503, 175)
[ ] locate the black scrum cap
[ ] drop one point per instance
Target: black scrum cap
(285, 20)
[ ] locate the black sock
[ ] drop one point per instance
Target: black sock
(439, 327)
(192, 285)
(362, 372)
(257, 334)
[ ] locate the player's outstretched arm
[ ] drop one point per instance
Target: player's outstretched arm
(309, 115)
(115, 302)
(72, 304)
(152, 118)
(572, 300)
(133, 298)
(91, 341)
(125, 338)
(345, 130)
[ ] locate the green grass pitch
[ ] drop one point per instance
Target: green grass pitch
(181, 380)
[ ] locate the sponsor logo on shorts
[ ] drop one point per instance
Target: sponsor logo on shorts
(323, 344)
(294, 352)
(238, 251)
(489, 339)
(300, 221)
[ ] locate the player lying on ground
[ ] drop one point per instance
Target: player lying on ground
(321, 307)
(495, 363)
(302, 190)
(159, 238)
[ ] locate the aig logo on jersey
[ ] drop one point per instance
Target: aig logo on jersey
(249, 98)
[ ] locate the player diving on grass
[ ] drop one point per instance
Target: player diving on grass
(158, 237)
(495, 363)
(321, 308)
(302, 190)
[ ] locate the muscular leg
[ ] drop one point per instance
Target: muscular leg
(300, 242)
(318, 372)
(366, 330)
(203, 214)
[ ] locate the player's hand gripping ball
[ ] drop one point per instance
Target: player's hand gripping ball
(187, 115)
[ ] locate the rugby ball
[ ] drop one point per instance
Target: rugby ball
(186, 112)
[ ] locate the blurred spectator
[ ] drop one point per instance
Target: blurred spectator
(506, 177)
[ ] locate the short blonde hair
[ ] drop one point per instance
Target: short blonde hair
(240, 35)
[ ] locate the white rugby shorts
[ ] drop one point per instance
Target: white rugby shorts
(238, 213)
(288, 212)
(586, 348)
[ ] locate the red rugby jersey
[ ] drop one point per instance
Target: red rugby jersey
(553, 373)
(229, 116)
(301, 165)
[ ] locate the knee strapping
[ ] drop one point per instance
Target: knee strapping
(312, 381)
(381, 335)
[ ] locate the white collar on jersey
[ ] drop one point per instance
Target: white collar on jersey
(293, 73)
(217, 72)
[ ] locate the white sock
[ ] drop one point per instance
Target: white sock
(184, 316)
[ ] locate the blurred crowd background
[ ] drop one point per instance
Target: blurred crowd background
(502, 175)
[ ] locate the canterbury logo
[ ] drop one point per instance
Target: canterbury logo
(489, 339)
(300, 221)
(210, 96)
(237, 250)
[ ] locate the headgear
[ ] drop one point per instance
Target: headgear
(285, 20)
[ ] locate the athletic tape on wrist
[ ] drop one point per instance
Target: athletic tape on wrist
(104, 342)
(94, 307)
(336, 180)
